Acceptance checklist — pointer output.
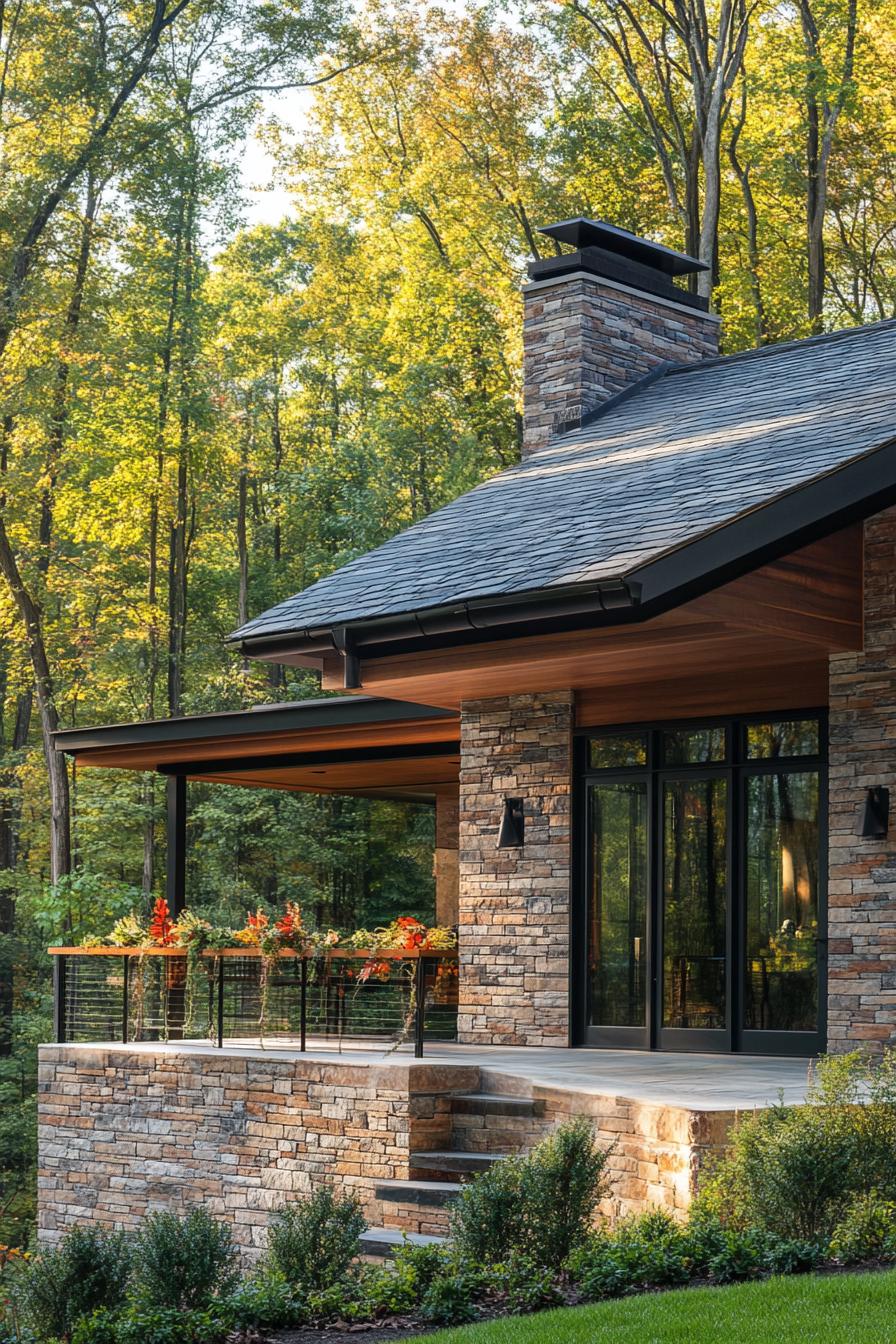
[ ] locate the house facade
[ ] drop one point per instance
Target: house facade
(667, 637)
(648, 679)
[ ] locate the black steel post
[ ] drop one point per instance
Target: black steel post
(220, 1002)
(59, 1023)
(125, 991)
(303, 1003)
(419, 1005)
(176, 867)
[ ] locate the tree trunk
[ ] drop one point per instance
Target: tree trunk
(57, 772)
(177, 549)
(10, 811)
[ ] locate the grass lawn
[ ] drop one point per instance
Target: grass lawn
(832, 1309)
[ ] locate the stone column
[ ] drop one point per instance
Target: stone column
(514, 904)
(445, 860)
(862, 873)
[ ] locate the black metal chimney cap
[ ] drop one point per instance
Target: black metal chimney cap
(581, 233)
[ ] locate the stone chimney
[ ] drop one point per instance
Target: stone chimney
(597, 319)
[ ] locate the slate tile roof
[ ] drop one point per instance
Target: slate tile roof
(684, 455)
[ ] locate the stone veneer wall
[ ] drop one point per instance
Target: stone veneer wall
(862, 873)
(125, 1131)
(585, 339)
(514, 904)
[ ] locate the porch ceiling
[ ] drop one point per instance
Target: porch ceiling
(348, 745)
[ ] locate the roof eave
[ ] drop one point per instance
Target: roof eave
(847, 494)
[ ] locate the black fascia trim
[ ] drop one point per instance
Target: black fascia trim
(328, 713)
(285, 760)
(786, 523)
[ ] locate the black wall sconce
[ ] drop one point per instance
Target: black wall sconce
(511, 832)
(875, 814)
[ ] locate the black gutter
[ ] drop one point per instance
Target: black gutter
(327, 713)
(483, 614)
(826, 504)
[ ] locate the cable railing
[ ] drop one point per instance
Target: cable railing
(230, 995)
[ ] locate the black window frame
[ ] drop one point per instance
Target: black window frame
(736, 768)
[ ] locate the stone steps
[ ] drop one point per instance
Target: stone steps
(485, 1127)
(381, 1243)
(457, 1160)
(496, 1103)
(426, 1194)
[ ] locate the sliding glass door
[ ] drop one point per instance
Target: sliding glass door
(704, 887)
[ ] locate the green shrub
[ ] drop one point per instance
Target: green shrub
(89, 1269)
(171, 1325)
(266, 1302)
(391, 1290)
(540, 1207)
(488, 1216)
(528, 1286)
(312, 1243)
(648, 1251)
(183, 1264)
(100, 1327)
(449, 1300)
(792, 1171)
(867, 1230)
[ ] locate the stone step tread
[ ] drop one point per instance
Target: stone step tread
(385, 1241)
(417, 1192)
(454, 1160)
(495, 1103)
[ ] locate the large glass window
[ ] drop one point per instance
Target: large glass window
(695, 900)
(706, 884)
(618, 927)
(782, 902)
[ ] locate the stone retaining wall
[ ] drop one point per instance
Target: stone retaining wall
(126, 1131)
(123, 1132)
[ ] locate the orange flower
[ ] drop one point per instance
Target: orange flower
(160, 924)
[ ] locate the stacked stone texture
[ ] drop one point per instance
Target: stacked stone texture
(862, 872)
(584, 341)
(123, 1132)
(514, 904)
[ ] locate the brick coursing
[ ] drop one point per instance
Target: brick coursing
(862, 873)
(514, 905)
(584, 341)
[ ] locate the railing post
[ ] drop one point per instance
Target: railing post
(220, 1002)
(303, 1004)
(125, 991)
(59, 1023)
(419, 1004)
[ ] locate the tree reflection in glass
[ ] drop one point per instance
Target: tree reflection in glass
(618, 930)
(694, 903)
(782, 902)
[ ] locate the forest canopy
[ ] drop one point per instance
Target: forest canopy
(200, 415)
